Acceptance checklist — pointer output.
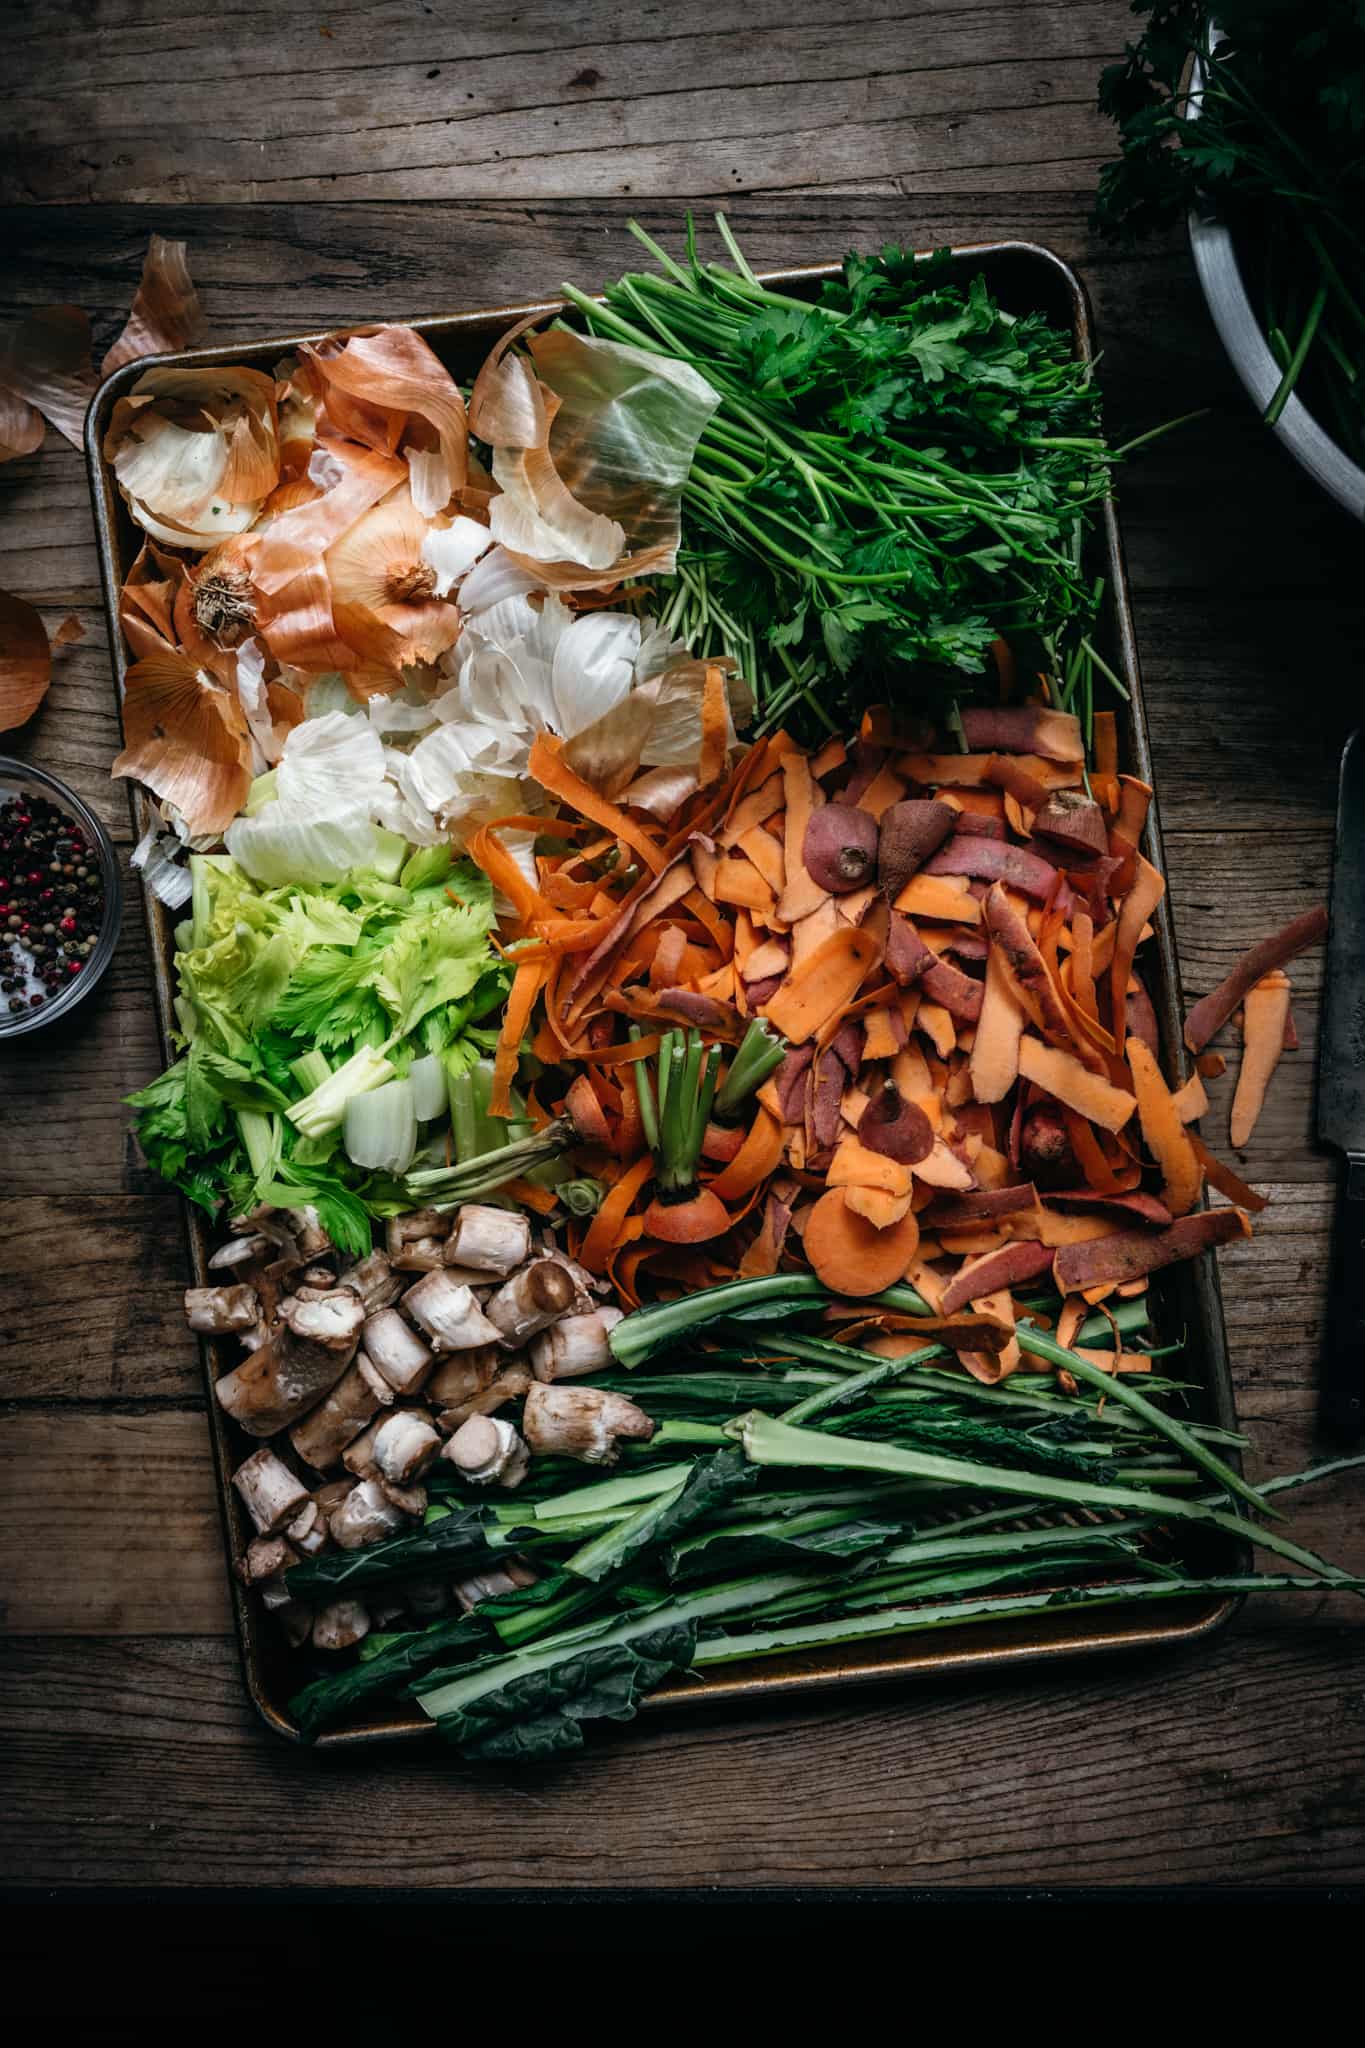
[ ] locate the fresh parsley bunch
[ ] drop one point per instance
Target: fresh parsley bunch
(1276, 146)
(897, 475)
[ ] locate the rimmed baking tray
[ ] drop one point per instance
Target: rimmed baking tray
(1025, 277)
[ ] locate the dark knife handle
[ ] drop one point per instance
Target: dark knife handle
(1343, 1358)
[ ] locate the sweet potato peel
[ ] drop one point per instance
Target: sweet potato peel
(1212, 1011)
(1131, 1253)
(966, 1049)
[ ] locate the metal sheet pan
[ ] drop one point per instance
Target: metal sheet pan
(1025, 277)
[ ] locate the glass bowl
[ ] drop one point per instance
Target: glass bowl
(22, 779)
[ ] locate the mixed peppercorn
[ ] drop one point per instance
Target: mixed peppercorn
(51, 902)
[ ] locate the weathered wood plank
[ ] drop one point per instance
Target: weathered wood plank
(1236, 1764)
(109, 1526)
(392, 104)
(90, 1305)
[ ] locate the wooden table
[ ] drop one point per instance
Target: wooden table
(390, 161)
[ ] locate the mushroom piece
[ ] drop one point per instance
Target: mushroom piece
(266, 1557)
(340, 1625)
(415, 1242)
(239, 1251)
(280, 1382)
(575, 1345)
(309, 1533)
(411, 1499)
(214, 1311)
(309, 1235)
(491, 1585)
(510, 1385)
(582, 1422)
(271, 1493)
(358, 1456)
(321, 1276)
(486, 1448)
(323, 1435)
(449, 1314)
(272, 1283)
(488, 1239)
(331, 1316)
(373, 1279)
(463, 1373)
(272, 1224)
(365, 1516)
(396, 1351)
(536, 1296)
(414, 1224)
(405, 1444)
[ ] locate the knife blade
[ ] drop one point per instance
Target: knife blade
(1341, 1103)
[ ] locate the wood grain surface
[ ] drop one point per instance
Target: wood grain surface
(384, 162)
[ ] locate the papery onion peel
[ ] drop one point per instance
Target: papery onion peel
(187, 740)
(25, 661)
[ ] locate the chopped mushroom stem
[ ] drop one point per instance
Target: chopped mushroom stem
(330, 1317)
(493, 1584)
(365, 1516)
(582, 1422)
(396, 1351)
(215, 1311)
(491, 1240)
(356, 1398)
(340, 1625)
(530, 1300)
(404, 1445)
(449, 1314)
(462, 1374)
(575, 1345)
(486, 1448)
(271, 1494)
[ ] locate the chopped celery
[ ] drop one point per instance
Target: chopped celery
(324, 1108)
(379, 1129)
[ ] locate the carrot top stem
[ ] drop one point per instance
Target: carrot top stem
(761, 1052)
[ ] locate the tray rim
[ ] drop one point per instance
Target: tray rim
(978, 1647)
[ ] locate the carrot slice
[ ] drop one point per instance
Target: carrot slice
(1105, 735)
(884, 790)
(822, 986)
(766, 854)
(757, 1157)
(849, 1254)
(876, 1205)
(1163, 1131)
(542, 1200)
(1064, 1076)
(1267, 1009)
(1211, 1065)
(552, 772)
(527, 983)
(606, 1226)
